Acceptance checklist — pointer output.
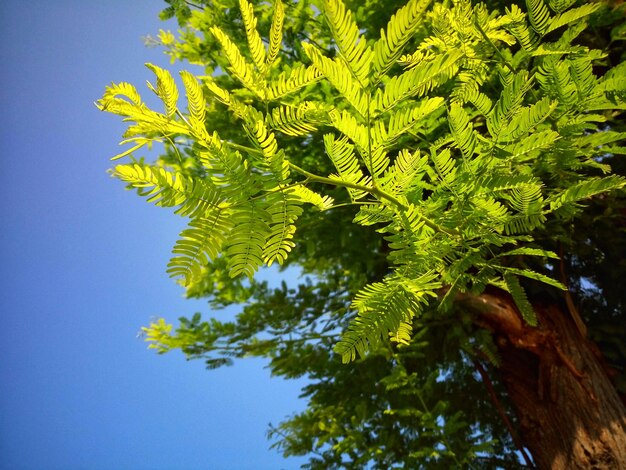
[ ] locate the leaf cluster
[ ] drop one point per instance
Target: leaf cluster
(455, 140)
(450, 208)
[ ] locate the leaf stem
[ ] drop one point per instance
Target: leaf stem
(243, 148)
(371, 190)
(495, 48)
(379, 193)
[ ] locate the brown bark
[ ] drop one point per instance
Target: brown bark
(569, 412)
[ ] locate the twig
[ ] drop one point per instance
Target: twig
(494, 398)
(495, 48)
(571, 307)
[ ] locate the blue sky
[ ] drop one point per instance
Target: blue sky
(83, 268)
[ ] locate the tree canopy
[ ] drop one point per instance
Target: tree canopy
(407, 159)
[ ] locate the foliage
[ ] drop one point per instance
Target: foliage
(461, 135)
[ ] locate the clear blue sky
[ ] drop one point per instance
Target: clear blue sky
(83, 268)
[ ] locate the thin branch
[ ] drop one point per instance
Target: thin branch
(194, 5)
(441, 432)
(571, 306)
(243, 148)
(359, 187)
(372, 190)
(494, 398)
(495, 48)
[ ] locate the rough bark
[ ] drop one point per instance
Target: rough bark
(569, 413)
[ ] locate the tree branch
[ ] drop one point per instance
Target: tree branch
(505, 419)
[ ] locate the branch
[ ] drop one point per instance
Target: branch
(505, 419)
(193, 5)
(495, 48)
(571, 307)
(359, 187)
(371, 190)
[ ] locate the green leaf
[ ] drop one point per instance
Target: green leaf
(536, 276)
(572, 15)
(195, 98)
(530, 252)
(352, 47)
(240, 68)
(462, 130)
(586, 189)
(539, 15)
(384, 308)
(254, 39)
(399, 31)
(200, 242)
(520, 299)
(276, 33)
(283, 209)
(345, 83)
(416, 81)
(348, 167)
(193, 197)
(245, 242)
(166, 89)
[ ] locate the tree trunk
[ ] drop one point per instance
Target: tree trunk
(569, 412)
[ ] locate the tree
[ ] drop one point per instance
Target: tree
(437, 185)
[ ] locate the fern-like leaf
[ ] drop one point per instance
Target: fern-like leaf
(342, 155)
(284, 209)
(264, 139)
(527, 148)
(116, 89)
(352, 47)
(239, 109)
(509, 103)
(555, 78)
(527, 199)
(582, 75)
(520, 30)
(407, 171)
(290, 82)
(558, 6)
(523, 223)
(304, 194)
(193, 197)
(410, 116)
(345, 83)
(416, 81)
(462, 130)
(348, 124)
(521, 300)
(539, 15)
(384, 308)
(445, 166)
(200, 242)
(527, 118)
(240, 68)
(165, 89)
(586, 189)
(572, 15)
(528, 251)
(481, 101)
(399, 31)
(245, 243)
(229, 172)
(292, 120)
(536, 276)
(276, 33)
(254, 39)
(195, 98)
(408, 234)
(372, 214)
